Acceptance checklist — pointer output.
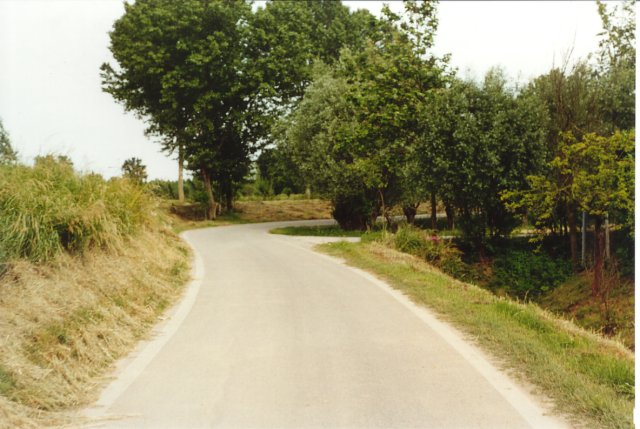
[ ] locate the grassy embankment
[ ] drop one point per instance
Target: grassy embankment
(587, 376)
(86, 268)
(541, 278)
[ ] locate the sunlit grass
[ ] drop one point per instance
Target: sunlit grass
(316, 231)
(586, 375)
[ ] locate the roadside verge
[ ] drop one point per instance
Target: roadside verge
(589, 378)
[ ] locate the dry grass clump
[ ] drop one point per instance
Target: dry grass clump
(85, 270)
(64, 323)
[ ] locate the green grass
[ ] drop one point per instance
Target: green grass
(316, 231)
(588, 377)
(6, 382)
(574, 298)
(49, 208)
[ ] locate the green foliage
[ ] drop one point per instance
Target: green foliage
(354, 131)
(584, 375)
(477, 141)
(526, 274)
(287, 38)
(277, 166)
(438, 252)
(316, 231)
(209, 77)
(8, 155)
(596, 174)
(49, 208)
(134, 170)
(182, 66)
(167, 189)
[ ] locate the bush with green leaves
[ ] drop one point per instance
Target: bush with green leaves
(438, 252)
(164, 188)
(49, 208)
(528, 274)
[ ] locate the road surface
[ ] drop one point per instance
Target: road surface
(273, 335)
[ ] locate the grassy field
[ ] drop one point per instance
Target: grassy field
(280, 210)
(588, 377)
(183, 217)
(573, 298)
(316, 231)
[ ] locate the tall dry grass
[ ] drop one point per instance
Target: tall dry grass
(87, 270)
(49, 208)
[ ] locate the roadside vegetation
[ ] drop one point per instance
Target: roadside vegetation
(86, 268)
(534, 180)
(317, 231)
(587, 376)
(309, 110)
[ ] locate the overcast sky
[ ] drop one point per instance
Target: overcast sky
(51, 50)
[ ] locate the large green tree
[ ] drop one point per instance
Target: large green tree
(616, 66)
(287, 37)
(355, 129)
(479, 140)
(596, 175)
(210, 76)
(182, 66)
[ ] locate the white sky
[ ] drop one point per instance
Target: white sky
(51, 50)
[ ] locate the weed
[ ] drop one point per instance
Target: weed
(7, 382)
(527, 274)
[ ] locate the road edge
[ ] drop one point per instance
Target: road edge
(130, 367)
(535, 409)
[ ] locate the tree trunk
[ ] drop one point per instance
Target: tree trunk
(434, 212)
(583, 254)
(607, 239)
(449, 211)
(211, 207)
(598, 259)
(180, 174)
(384, 211)
(229, 198)
(410, 213)
(573, 237)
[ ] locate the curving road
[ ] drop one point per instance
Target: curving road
(273, 335)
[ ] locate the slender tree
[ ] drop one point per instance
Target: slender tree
(8, 154)
(134, 170)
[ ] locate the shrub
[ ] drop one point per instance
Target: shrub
(354, 210)
(441, 253)
(49, 208)
(528, 274)
(164, 188)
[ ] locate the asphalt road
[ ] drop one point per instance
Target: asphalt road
(273, 335)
